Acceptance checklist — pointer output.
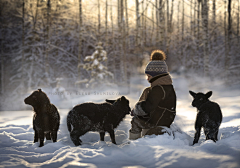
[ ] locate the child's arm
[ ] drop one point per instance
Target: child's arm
(144, 94)
(155, 95)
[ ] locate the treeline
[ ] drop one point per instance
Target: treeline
(42, 40)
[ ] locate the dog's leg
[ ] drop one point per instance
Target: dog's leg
(212, 134)
(206, 132)
(197, 135)
(41, 137)
(216, 135)
(102, 134)
(112, 135)
(48, 136)
(35, 136)
(75, 134)
(54, 136)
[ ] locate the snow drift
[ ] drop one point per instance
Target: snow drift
(18, 150)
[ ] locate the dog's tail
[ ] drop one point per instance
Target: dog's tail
(69, 121)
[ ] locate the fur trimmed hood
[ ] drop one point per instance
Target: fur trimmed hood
(161, 80)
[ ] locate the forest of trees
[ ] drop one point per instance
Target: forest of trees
(42, 40)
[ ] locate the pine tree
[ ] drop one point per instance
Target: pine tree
(94, 64)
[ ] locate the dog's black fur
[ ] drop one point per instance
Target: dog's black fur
(46, 119)
(209, 116)
(102, 118)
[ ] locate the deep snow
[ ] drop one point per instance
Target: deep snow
(17, 148)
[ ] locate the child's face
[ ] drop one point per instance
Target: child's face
(149, 77)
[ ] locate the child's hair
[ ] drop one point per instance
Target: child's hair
(158, 55)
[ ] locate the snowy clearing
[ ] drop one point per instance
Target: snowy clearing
(17, 148)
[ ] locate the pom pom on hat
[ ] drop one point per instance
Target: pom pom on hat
(158, 55)
(157, 65)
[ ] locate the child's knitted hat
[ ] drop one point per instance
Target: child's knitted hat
(157, 65)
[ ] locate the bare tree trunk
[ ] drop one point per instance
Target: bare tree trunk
(194, 18)
(126, 18)
(124, 41)
(183, 29)
(118, 13)
(137, 22)
(80, 40)
(167, 16)
(171, 24)
(145, 25)
(121, 16)
(99, 20)
(171, 17)
(112, 18)
(214, 21)
(23, 46)
(36, 15)
(142, 24)
(229, 36)
(229, 22)
(194, 60)
(106, 24)
(120, 60)
(229, 17)
(191, 19)
(164, 25)
(153, 26)
(48, 40)
(157, 20)
(198, 30)
(161, 22)
(178, 26)
(2, 68)
(238, 24)
(128, 73)
(56, 27)
(34, 52)
(225, 32)
(205, 27)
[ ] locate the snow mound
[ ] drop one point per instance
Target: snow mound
(174, 150)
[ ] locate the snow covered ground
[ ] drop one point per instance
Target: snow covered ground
(17, 148)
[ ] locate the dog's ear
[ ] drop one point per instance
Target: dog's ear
(40, 90)
(192, 93)
(110, 101)
(208, 94)
(123, 98)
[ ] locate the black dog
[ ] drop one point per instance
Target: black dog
(46, 119)
(102, 118)
(209, 116)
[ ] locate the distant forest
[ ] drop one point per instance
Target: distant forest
(42, 40)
